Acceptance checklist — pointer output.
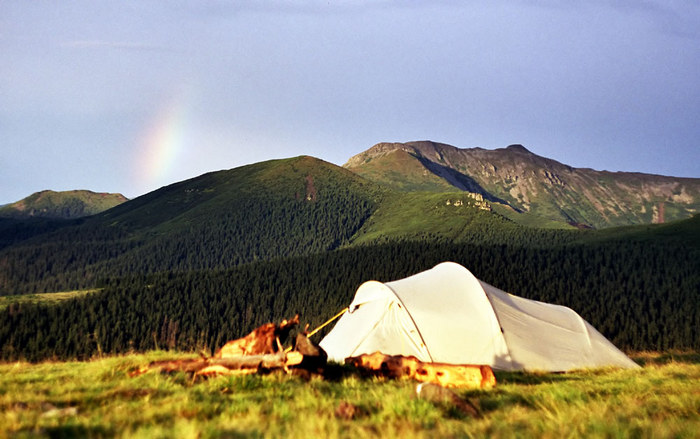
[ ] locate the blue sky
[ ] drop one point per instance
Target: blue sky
(128, 96)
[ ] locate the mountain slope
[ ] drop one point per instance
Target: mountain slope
(530, 183)
(222, 219)
(61, 205)
(261, 212)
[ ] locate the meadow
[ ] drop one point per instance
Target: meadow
(98, 398)
(43, 298)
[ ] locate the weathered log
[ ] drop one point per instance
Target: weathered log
(267, 361)
(212, 366)
(258, 351)
(216, 370)
(447, 375)
(263, 340)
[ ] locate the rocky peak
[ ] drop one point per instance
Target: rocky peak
(518, 148)
(527, 182)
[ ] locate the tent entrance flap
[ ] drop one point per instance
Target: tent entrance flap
(377, 325)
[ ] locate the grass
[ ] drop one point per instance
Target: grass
(6, 301)
(99, 399)
(412, 214)
(529, 219)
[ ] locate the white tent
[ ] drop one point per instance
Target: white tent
(447, 315)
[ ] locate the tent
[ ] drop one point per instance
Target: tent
(447, 315)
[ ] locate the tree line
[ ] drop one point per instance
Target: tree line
(641, 295)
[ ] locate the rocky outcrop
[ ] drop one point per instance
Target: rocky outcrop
(527, 182)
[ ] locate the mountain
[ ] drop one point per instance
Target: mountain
(261, 212)
(529, 183)
(61, 205)
(205, 260)
(264, 211)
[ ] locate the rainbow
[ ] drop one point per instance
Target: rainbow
(160, 146)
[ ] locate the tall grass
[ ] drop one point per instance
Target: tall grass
(99, 399)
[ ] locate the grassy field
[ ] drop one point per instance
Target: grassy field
(99, 399)
(5, 301)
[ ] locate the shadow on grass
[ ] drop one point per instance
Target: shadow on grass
(239, 434)
(76, 431)
(335, 372)
(661, 358)
(499, 399)
(533, 377)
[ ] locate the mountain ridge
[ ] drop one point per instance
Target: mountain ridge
(531, 183)
(264, 211)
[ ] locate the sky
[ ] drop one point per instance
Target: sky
(128, 96)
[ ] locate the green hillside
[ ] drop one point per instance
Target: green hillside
(205, 260)
(61, 205)
(460, 217)
(683, 232)
(219, 220)
(402, 171)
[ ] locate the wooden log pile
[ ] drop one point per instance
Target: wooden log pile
(258, 352)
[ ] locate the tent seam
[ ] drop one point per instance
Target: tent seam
(498, 320)
(585, 329)
(352, 353)
(413, 321)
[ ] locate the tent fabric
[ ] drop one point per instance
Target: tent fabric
(447, 315)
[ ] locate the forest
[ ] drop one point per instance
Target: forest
(639, 295)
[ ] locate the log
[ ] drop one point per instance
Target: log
(262, 340)
(225, 366)
(313, 356)
(221, 370)
(259, 350)
(266, 361)
(446, 375)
